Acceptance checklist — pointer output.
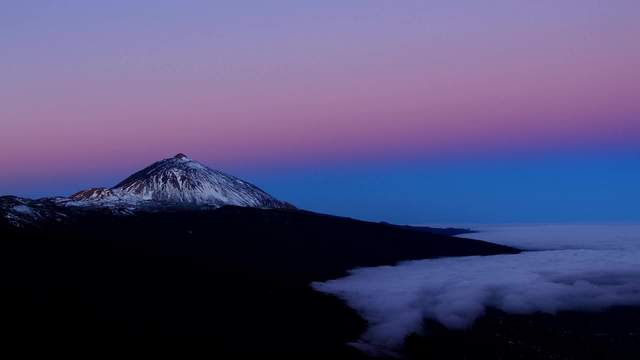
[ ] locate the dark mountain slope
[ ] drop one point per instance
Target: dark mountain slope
(226, 280)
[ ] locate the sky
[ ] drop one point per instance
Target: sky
(412, 111)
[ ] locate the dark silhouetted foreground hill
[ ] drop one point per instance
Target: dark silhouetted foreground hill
(213, 281)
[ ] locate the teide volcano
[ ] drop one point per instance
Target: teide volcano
(180, 181)
(174, 183)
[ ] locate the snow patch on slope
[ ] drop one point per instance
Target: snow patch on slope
(23, 209)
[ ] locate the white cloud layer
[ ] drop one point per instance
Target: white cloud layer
(588, 267)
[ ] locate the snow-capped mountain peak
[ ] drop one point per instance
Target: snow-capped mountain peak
(180, 181)
(177, 182)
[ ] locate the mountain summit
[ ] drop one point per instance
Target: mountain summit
(177, 182)
(180, 181)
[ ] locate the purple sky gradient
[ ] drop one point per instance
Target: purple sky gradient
(257, 86)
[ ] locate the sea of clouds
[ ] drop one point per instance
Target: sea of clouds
(569, 267)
